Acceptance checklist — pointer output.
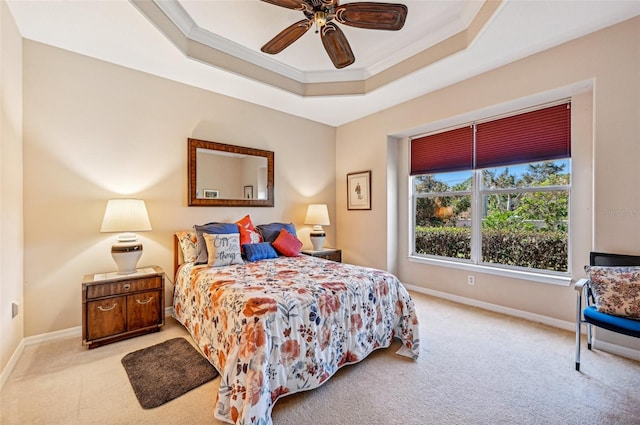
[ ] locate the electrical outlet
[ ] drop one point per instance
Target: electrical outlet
(471, 280)
(15, 309)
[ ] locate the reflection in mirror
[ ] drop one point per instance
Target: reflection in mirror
(223, 175)
(227, 175)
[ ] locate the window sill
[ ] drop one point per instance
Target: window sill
(553, 279)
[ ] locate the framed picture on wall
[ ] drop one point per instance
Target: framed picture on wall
(248, 192)
(210, 193)
(359, 190)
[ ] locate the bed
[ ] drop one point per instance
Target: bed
(277, 326)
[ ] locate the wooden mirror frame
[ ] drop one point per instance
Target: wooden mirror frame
(192, 169)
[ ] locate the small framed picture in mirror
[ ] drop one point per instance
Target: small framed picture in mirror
(210, 193)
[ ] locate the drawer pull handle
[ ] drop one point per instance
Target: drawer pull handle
(144, 302)
(127, 286)
(108, 308)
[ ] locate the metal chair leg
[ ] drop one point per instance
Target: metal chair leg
(578, 330)
(578, 346)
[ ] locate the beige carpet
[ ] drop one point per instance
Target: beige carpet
(475, 368)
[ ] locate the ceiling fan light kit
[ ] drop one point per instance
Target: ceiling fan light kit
(320, 19)
(325, 13)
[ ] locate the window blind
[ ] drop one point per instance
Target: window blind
(540, 135)
(448, 151)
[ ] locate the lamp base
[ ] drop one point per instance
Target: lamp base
(317, 240)
(126, 256)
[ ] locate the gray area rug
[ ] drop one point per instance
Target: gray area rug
(165, 371)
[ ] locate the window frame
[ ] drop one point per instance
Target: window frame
(474, 264)
(477, 242)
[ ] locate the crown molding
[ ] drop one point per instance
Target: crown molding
(196, 43)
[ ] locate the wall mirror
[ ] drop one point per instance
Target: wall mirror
(229, 176)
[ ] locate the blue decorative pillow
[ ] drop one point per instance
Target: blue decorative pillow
(259, 251)
(211, 228)
(271, 231)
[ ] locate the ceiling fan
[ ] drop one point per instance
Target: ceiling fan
(325, 13)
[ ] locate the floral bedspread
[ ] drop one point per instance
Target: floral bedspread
(280, 326)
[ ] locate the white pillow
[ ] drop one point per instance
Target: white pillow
(223, 249)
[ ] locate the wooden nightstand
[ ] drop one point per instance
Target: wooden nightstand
(327, 254)
(116, 307)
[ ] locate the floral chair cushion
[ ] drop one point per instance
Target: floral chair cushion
(616, 290)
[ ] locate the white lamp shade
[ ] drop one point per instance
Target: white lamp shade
(317, 214)
(125, 215)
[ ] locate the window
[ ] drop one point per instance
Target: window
(495, 193)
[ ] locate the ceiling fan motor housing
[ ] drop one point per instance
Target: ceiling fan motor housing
(366, 15)
(320, 11)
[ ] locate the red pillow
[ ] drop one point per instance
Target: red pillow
(248, 233)
(287, 244)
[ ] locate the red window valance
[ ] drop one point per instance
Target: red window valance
(540, 135)
(448, 151)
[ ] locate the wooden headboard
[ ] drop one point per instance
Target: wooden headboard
(178, 259)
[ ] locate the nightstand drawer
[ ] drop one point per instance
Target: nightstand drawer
(327, 254)
(108, 315)
(143, 309)
(334, 256)
(126, 286)
(117, 307)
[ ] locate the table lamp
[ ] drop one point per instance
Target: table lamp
(318, 216)
(126, 216)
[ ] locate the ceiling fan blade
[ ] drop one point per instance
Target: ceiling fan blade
(289, 4)
(336, 45)
(287, 36)
(374, 16)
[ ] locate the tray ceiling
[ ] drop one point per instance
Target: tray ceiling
(216, 44)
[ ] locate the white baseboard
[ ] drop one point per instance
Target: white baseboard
(46, 337)
(616, 349)
(538, 318)
(53, 336)
(556, 323)
(11, 364)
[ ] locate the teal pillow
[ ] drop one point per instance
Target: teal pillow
(259, 251)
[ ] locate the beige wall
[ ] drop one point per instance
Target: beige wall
(93, 131)
(602, 73)
(11, 242)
